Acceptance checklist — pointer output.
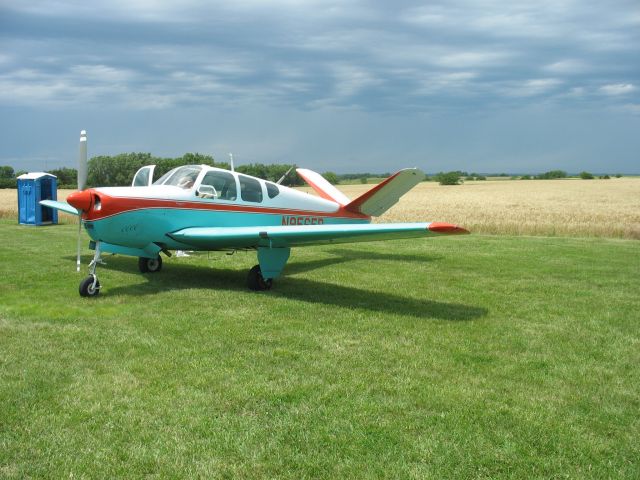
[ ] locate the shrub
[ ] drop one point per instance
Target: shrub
(552, 174)
(586, 176)
(448, 178)
(525, 177)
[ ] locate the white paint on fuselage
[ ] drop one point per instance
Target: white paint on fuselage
(288, 198)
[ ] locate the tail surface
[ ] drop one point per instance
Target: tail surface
(386, 194)
(323, 187)
(372, 203)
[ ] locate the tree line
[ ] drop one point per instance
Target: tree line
(118, 170)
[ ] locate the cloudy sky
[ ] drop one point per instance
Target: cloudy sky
(344, 85)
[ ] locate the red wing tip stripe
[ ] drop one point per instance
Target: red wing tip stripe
(447, 228)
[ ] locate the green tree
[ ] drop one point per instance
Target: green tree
(586, 176)
(331, 177)
(66, 176)
(7, 172)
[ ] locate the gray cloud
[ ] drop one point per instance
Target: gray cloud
(322, 59)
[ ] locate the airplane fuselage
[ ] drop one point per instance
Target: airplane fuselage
(138, 216)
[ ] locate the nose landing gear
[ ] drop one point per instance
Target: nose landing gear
(90, 286)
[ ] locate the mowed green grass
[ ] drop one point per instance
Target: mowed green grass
(465, 357)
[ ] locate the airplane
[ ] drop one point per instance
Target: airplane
(205, 208)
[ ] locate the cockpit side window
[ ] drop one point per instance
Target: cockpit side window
(224, 184)
(250, 189)
(272, 189)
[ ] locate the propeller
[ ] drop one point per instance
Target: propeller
(82, 182)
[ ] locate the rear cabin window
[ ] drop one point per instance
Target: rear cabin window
(272, 189)
(224, 183)
(250, 189)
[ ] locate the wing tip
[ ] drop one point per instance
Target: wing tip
(447, 229)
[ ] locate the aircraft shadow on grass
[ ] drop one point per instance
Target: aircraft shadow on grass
(187, 276)
(341, 255)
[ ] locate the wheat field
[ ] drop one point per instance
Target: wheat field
(584, 208)
(600, 208)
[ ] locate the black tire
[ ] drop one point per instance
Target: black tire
(87, 289)
(150, 265)
(256, 281)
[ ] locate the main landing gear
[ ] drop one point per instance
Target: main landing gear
(150, 265)
(256, 281)
(271, 262)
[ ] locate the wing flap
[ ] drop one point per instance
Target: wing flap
(287, 236)
(386, 194)
(62, 206)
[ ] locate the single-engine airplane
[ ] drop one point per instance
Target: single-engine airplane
(199, 207)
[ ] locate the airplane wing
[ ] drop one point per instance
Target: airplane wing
(287, 236)
(64, 206)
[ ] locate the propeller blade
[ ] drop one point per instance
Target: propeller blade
(82, 161)
(79, 240)
(82, 183)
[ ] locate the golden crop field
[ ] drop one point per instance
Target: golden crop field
(602, 208)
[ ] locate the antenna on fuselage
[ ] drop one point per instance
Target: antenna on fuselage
(284, 176)
(231, 161)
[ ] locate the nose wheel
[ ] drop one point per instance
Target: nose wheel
(90, 286)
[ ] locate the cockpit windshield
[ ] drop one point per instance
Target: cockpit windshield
(183, 177)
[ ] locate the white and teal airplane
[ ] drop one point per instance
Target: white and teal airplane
(199, 207)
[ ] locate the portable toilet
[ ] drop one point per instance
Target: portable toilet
(33, 187)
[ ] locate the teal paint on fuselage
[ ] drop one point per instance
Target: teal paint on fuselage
(139, 228)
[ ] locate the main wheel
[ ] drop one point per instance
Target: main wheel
(150, 265)
(256, 281)
(87, 289)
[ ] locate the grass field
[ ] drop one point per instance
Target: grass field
(467, 357)
(598, 208)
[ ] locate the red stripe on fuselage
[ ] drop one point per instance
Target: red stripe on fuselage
(110, 206)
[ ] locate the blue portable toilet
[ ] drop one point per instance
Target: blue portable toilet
(33, 187)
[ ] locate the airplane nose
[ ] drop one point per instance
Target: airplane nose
(80, 200)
